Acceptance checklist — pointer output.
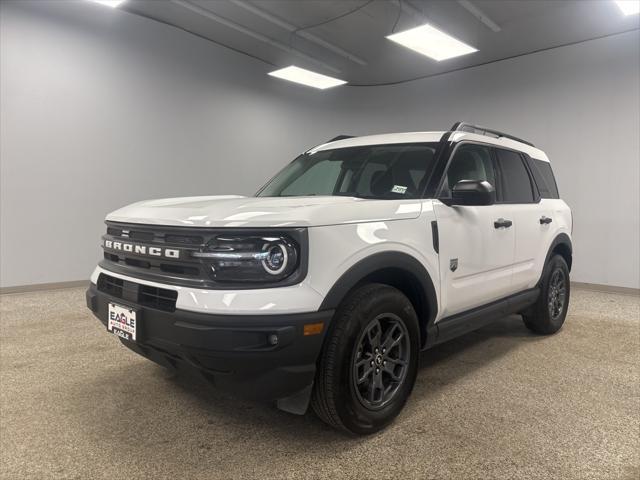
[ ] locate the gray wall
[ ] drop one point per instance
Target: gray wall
(100, 108)
(95, 102)
(581, 104)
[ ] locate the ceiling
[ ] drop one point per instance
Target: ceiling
(354, 48)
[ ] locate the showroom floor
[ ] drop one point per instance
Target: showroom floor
(498, 403)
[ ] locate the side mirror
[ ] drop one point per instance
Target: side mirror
(473, 192)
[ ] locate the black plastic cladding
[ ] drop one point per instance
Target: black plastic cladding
(160, 269)
(369, 267)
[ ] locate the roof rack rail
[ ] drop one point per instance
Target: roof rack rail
(340, 137)
(467, 127)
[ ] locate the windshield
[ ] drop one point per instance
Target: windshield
(373, 171)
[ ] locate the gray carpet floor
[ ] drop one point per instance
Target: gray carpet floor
(497, 403)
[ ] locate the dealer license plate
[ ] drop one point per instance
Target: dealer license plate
(122, 321)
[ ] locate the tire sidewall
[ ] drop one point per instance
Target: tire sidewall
(355, 416)
(556, 262)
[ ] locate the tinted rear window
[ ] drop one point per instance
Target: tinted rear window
(543, 175)
(516, 184)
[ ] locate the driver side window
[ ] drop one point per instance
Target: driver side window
(469, 162)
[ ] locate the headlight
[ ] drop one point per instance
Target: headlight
(250, 258)
(276, 258)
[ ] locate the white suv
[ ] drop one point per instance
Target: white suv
(324, 287)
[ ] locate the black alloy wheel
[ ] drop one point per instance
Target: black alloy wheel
(557, 293)
(380, 361)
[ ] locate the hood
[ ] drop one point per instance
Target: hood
(237, 211)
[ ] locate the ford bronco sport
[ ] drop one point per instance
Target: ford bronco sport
(323, 287)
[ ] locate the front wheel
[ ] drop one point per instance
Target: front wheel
(547, 315)
(369, 362)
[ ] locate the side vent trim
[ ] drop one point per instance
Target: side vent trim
(435, 237)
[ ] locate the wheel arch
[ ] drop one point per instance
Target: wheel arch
(562, 246)
(396, 269)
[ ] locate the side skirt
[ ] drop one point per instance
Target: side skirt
(465, 322)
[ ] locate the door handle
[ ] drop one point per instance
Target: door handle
(502, 223)
(545, 220)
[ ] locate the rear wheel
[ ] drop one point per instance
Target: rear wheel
(547, 315)
(369, 362)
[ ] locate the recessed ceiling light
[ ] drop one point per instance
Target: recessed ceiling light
(629, 7)
(108, 3)
(431, 42)
(306, 77)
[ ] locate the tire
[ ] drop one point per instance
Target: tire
(547, 315)
(367, 317)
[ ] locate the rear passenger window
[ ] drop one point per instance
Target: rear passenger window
(515, 181)
(543, 175)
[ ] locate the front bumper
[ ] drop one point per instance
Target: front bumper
(232, 351)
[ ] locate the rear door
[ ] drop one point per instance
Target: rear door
(532, 217)
(476, 254)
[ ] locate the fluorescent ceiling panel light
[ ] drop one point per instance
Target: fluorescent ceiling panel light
(306, 77)
(431, 42)
(108, 3)
(629, 7)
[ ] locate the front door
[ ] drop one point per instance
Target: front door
(477, 244)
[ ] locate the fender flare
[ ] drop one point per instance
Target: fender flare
(383, 261)
(561, 239)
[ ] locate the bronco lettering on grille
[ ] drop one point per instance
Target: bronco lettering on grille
(142, 249)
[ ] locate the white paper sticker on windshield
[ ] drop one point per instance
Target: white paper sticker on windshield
(399, 189)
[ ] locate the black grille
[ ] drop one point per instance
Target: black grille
(185, 239)
(141, 236)
(135, 263)
(111, 285)
(159, 298)
(144, 295)
(186, 270)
